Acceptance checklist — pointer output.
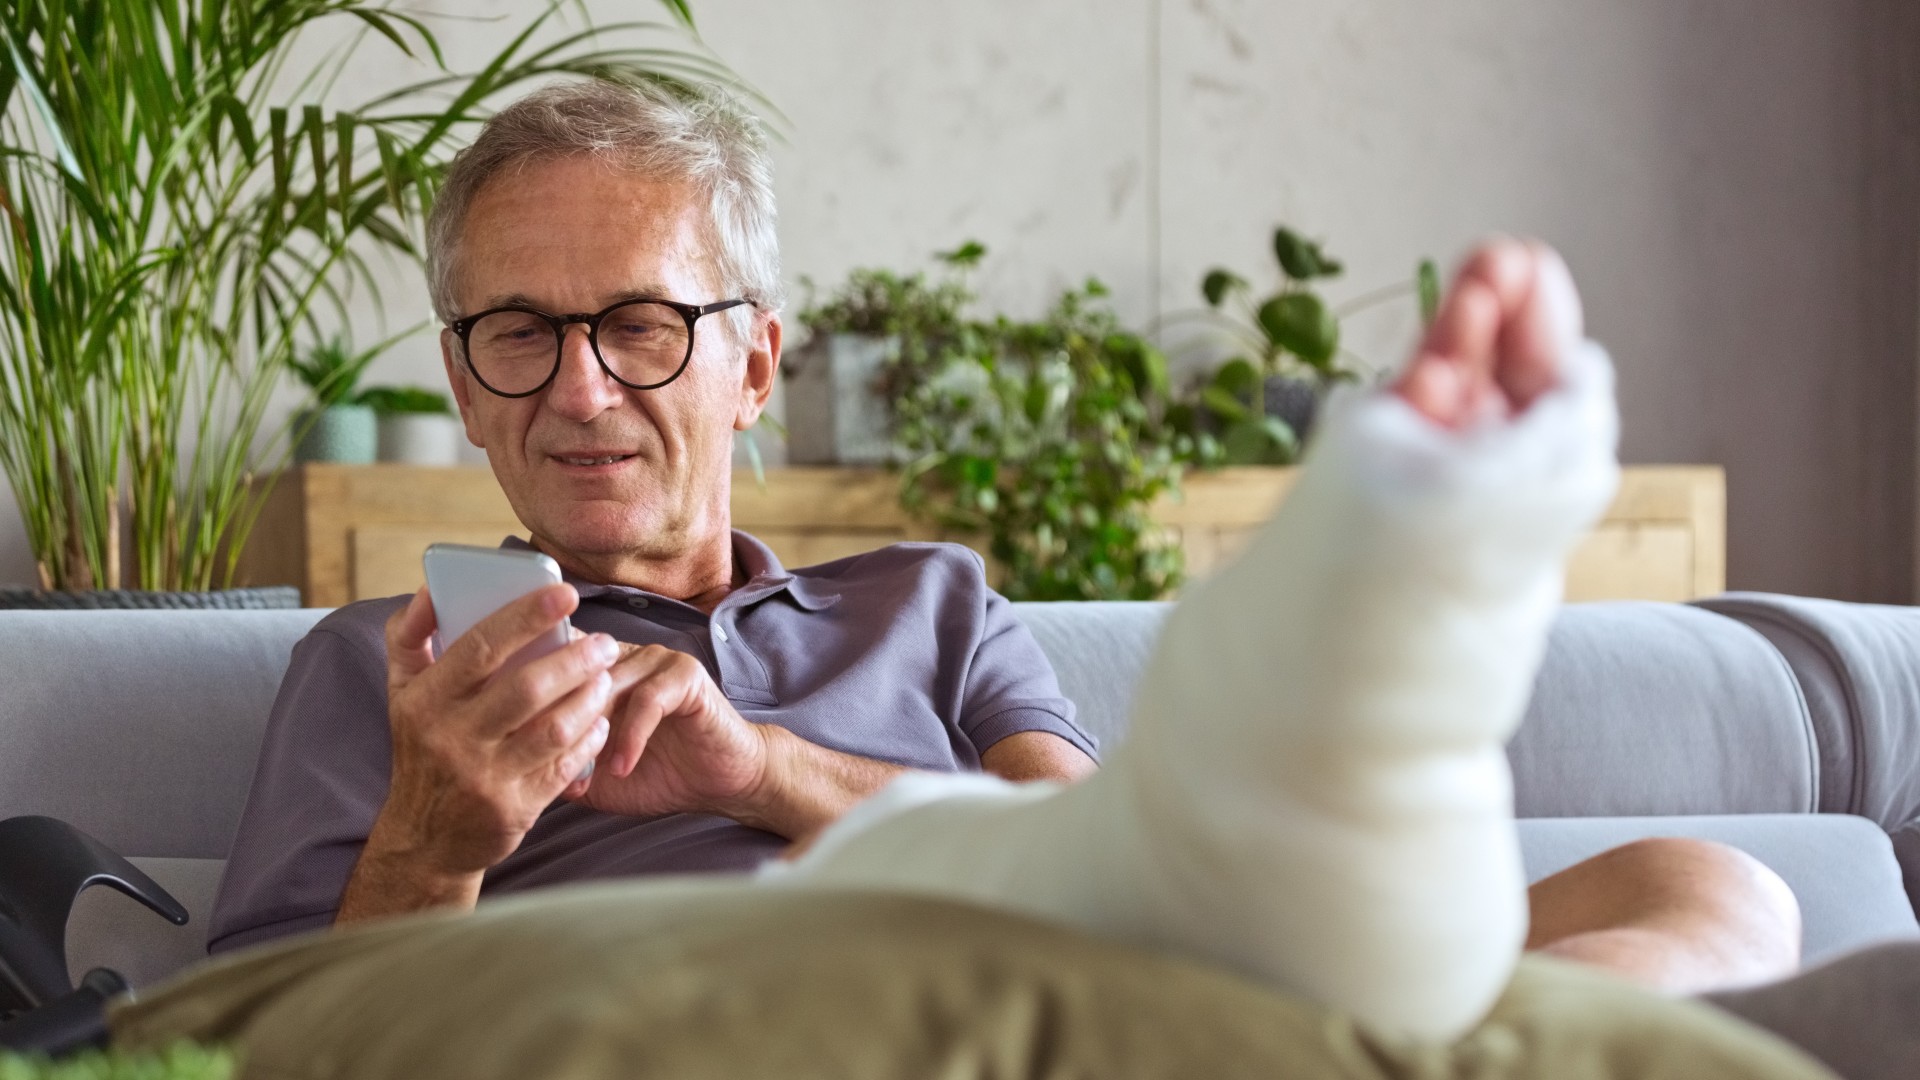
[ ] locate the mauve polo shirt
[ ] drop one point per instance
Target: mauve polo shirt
(902, 654)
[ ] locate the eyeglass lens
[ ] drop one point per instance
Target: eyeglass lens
(514, 352)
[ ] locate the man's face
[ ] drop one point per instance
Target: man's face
(577, 236)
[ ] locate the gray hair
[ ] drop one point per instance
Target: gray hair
(701, 136)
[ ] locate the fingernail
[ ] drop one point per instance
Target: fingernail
(599, 737)
(557, 601)
(603, 685)
(607, 649)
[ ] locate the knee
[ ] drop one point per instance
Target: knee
(1717, 894)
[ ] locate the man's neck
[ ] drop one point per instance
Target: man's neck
(702, 576)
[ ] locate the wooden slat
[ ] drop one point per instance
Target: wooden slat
(818, 497)
(1226, 498)
(1630, 561)
(329, 528)
(386, 557)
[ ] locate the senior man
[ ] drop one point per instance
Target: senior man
(605, 263)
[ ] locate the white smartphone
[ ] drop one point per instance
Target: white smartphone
(467, 584)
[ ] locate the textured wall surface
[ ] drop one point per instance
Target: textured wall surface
(1735, 182)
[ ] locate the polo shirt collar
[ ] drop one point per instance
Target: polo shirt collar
(765, 578)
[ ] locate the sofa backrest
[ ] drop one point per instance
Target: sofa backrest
(142, 727)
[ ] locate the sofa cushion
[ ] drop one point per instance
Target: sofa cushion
(140, 727)
(689, 980)
(1841, 868)
(1098, 649)
(1644, 708)
(1639, 708)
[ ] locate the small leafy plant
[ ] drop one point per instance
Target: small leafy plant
(1294, 331)
(331, 369)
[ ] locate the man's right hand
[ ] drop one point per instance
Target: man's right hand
(478, 752)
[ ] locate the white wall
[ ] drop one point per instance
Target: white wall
(1733, 181)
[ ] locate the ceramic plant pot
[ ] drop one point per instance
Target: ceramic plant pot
(347, 434)
(836, 411)
(1296, 401)
(419, 439)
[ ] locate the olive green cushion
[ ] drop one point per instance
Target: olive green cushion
(691, 979)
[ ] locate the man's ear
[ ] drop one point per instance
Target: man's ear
(763, 364)
(460, 382)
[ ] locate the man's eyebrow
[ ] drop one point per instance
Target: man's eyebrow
(639, 292)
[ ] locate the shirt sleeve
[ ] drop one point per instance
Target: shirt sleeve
(1011, 686)
(321, 779)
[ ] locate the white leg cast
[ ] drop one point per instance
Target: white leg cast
(1313, 791)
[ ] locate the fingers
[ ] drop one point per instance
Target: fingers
(1500, 336)
(559, 737)
(410, 640)
(514, 696)
(494, 640)
(1450, 376)
(1489, 285)
(656, 682)
(1541, 331)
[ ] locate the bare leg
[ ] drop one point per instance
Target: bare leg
(1314, 791)
(1678, 916)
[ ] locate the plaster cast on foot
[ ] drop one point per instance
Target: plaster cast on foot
(1313, 791)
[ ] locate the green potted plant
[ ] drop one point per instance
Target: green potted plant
(178, 209)
(876, 328)
(1046, 438)
(337, 427)
(1257, 406)
(417, 425)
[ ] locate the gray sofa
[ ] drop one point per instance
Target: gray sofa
(1787, 727)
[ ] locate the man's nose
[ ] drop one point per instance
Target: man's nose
(581, 389)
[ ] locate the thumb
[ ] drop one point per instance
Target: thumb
(410, 641)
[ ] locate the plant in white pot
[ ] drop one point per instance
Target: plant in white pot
(180, 202)
(416, 425)
(338, 426)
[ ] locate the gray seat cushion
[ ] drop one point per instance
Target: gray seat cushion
(1840, 867)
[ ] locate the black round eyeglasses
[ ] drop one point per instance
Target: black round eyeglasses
(644, 344)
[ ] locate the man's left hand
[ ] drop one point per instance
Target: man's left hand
(677, 745)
